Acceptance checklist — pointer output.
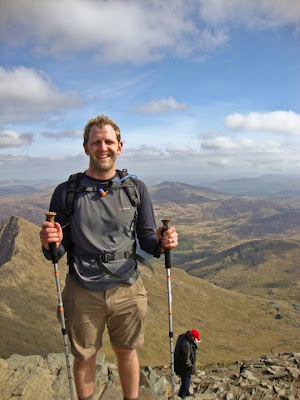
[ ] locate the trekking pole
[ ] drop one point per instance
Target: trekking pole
(168, 268)
(54, 257)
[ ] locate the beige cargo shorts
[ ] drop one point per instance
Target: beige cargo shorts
(122, 309)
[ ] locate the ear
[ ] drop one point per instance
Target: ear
(85, 149)
(120, 146)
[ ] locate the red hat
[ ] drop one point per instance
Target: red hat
(195, 335)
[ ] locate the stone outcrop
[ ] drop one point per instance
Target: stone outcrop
(261, 378)
(38, 378)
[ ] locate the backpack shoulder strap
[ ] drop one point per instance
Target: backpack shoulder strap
(73, 184)
(129, 188)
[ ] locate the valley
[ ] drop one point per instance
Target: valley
(235, 278)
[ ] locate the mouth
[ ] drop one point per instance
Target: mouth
(103, 157)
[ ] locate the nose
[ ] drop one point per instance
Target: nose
(102, 145)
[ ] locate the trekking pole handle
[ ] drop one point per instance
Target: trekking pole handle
(166, 225)
(50, 217)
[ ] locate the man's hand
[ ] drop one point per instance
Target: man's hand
(51, 233)
(169, 239)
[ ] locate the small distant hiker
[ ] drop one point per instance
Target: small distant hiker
(101, 216)
(185, 359)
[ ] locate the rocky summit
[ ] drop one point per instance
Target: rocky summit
(275, 377)
(268, 377)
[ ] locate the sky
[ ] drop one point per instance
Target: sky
(202, 90)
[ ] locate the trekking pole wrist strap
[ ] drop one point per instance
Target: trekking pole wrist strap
(157, 252)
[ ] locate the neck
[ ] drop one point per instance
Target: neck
(101, 175)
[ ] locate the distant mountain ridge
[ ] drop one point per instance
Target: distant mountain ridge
(183, 193)
(37, 183)
(287, 222)
(259, 267)
(243, 207)
(30, 206)
(17, 186)
(248, 254)
(187, 186)
(276, 184)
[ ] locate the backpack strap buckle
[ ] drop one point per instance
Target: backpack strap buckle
(106, 257)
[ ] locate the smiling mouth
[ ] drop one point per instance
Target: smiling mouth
(103, 157)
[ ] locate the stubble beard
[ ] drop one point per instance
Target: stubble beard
(100, 167)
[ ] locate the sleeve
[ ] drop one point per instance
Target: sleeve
(57, 206)
(187, 354)
(146, 226)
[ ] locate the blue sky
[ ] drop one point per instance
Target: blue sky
(201, 89)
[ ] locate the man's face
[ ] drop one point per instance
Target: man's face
(103, 149)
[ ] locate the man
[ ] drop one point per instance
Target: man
(103, 287)
(185, 359)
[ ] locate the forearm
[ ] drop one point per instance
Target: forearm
(146, 226)
(53, 232)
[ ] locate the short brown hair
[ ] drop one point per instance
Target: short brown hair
(101, 121)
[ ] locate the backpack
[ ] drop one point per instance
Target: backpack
(124, 182)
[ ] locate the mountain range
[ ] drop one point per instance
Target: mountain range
(272, 185)
(277, 185)
(232, 325)
(235, 273)
(267, 268)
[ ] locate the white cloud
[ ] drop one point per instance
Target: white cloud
(68, 133)
(55, 168)
(115, 31)
(10, 138)
(284, 122)
(133, 30)
(236, 158)
(27, 94)
(221, 142)
(215, 156)
(162, 106)
(254, 13)
(240, 147)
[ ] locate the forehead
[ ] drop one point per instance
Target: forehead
(106, 131)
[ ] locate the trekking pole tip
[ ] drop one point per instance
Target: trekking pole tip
(50, 216)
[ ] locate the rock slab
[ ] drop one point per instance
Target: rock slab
(38, 378)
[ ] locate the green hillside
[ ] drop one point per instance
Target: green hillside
(268, 268)
(233, 325)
